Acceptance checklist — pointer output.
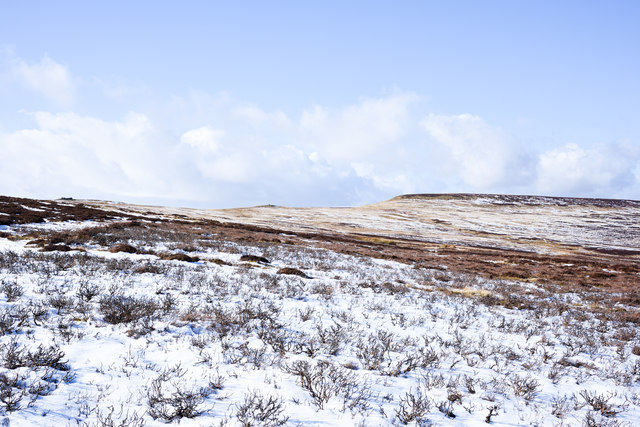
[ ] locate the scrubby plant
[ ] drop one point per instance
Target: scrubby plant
(561, 406)
(601, 403)
(414, 406)
(258, 409)
(322, 380)
(524, 386)
(8, 321)
(493, 411)
(112, 419)
(60, 302)
(446, 407)
(371, 352)
(125, 309)
(51, 357)
(87, 291)
(169, 398)
(13, 355)
(11, 289)
(11, 393)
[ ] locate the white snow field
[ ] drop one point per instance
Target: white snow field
(179, 328)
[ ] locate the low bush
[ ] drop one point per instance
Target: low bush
(601, 403)
(124, 309)
(179, 257)
(293, 272)
(10, 392)
(11, 289)
(413, 407)
(322, 380)
(169, 399)
(254, 258)
(526, 387)
(123, 247)
(259, 410)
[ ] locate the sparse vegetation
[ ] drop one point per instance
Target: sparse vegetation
(241, 340)
(259, 410)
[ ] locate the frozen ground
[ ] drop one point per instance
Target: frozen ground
(150, 322)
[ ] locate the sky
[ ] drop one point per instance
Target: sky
(226, 104)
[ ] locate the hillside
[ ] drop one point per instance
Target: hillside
(420, 310)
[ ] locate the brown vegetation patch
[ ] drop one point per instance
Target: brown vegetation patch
(179, 257)
(30, 211)
(566, 361)
(513, 199)
(254, 258)
(123, 247)
(56, 247)
(610, 277)
(603, 277)
(110, 234)
(293, 272)
(148, 267)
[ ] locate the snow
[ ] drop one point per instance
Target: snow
(352, 308)
(540, 224)
(32, 209)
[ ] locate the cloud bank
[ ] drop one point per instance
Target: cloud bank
(46, 77)
(214, 151)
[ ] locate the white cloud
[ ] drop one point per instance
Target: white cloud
(132, 160)
(205, 138)
(483, 156)
(47, 77)
(603, 171)
(257, 117)
(486, 158)
(358, 131)
(67, 153)
(221, 153)
(360, 144)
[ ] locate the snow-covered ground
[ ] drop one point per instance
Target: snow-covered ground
(536, 224)
(100, 338)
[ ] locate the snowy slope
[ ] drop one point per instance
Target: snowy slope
(129, 336)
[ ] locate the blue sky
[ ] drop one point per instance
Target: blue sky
(318, 103)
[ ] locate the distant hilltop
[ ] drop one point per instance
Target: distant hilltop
(505, 199)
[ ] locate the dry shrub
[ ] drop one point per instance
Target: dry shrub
(293, 272)
(260, 410)
(121, 309)
(526, 387)
(169, 398)
(56, 247)
(601, 403)
(413, 407)
(150, 267)
(11, 289)
(179, 257)
(123, 247)
(322, 380)
(395, 288)
(254, 258)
